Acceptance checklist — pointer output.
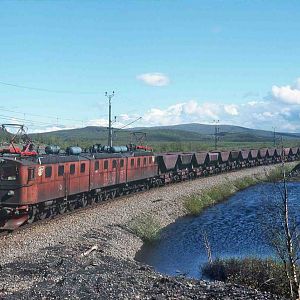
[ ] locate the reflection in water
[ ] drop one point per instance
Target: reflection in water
(233, 228)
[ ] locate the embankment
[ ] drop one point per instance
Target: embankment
(47, 260)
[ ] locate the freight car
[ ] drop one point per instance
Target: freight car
(36, 186)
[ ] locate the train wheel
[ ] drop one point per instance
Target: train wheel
(43, 214)
(83, 202)
(121, 192)
(113, 194)
(99, 198)
(105, 196)
(32, 215)
(71, 206)
(191, 176)
(92, 200)
(62, 208)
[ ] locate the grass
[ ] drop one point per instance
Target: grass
(276, 174)
(263, 274)
(146, 228)
(243, 183)
(196, 203)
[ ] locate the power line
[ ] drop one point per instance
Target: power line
(47, 90)
(55, 122)
(139, 118)
(32, 122)
(35, 115)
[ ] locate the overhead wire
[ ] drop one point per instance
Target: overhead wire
(32, 122)
(44, 116)
(40, 116)
(48, 90)
(36, 122)
(139, 118)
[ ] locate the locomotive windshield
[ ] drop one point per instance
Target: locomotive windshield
(8, 172)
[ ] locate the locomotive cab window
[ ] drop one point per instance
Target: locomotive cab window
(139, 162)
(82, 168)
(48, 172)
(132, 162)
(106, 164)
(96, 165)
(30, 174)
(114, 165)
(61, 170)
(145, 161)
(72, 169)
(9, 173)
(121, 163)
(150, 160)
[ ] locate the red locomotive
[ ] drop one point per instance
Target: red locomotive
(36, 186)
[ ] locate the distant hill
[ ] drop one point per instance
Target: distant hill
(225, 130)
(99, 134)
(192, 132)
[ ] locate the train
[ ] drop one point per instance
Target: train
(35, 186)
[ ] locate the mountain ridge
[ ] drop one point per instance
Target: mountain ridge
(180, 132)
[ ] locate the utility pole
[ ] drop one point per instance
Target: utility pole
(109, 96)
(217, 131)
(274, 137)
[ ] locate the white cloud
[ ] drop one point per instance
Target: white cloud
(191, 107)
(50, 128)
(169, 116)
(258, 113)
(269, 114)
(98, 122)
(231, 109)
(124, 117)
(184, 112)
(256, 103)
(104, 123)
(154, 79)
(286, 94)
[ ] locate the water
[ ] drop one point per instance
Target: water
(234, 229)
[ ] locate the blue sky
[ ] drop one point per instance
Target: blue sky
(169, 61)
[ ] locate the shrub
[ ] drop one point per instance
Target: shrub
(276, 174)
(196, 203)
(262, 274)
(146, 228)
(221, 192)
(245, 182)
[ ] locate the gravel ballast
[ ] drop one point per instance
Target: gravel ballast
(45, 261)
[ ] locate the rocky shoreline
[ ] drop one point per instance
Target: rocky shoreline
(54, 260)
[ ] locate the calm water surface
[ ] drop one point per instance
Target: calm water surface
(234, 229)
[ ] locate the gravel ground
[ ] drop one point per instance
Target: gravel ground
(44, 262)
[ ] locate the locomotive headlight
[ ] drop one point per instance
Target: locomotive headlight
(10, 193)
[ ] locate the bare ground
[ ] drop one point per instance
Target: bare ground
(45, 262)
